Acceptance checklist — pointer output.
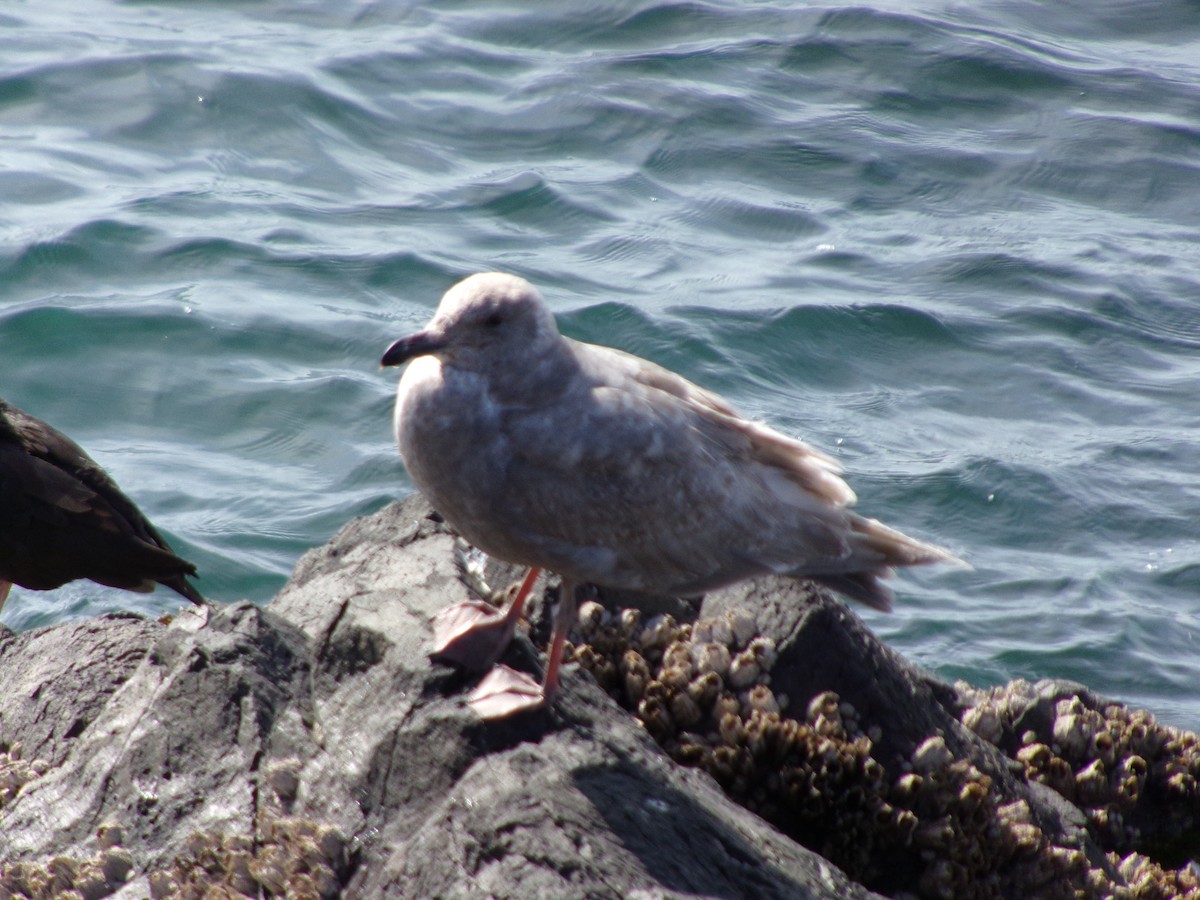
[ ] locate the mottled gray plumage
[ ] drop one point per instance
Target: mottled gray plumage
(605, 467)
(62, 518)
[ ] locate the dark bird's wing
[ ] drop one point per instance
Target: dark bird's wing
(62, 518)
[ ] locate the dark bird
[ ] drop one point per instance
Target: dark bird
(63, 518)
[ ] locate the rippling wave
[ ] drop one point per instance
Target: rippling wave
(955, 248)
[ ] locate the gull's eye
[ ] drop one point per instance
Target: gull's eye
(493, 320)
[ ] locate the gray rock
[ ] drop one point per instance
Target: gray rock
(823, 646)
(319, 726)
(311, 749)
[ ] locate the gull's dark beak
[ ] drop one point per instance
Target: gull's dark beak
(420, 344)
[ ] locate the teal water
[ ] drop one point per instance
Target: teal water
(956, 246)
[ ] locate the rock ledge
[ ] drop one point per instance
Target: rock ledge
(310, 749)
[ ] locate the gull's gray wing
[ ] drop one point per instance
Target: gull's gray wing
(636, 477)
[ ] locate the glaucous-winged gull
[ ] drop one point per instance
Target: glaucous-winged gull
(62, 518)
(608, 469)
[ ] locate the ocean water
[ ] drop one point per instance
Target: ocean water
(957, 245)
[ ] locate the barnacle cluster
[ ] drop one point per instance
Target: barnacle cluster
(703, 690)
(1136, 781)
(1144, 879)
(97, 876)
(291, 857)
(934, 827)
(971, 841)
(16, 771)
(287, 856)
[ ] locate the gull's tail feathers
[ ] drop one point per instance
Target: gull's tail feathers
(876, 552)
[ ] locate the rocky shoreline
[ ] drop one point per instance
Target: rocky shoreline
(763, 744)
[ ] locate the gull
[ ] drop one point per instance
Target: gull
(63, 518)
(606, 468)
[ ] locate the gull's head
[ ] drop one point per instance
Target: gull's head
(486, 316)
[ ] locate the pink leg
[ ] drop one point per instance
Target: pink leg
(564, 618)
(5, 587)
(505, 691)
(473, 634)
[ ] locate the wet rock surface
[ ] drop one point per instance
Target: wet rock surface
(760, 744)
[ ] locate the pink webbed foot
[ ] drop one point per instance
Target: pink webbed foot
(504, 692)
(473, 634)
